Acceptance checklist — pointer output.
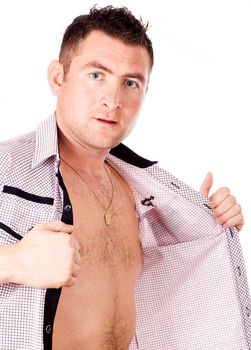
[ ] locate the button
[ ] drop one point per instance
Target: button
(67, 207)
(48, 329)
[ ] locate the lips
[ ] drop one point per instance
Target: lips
(107, 121)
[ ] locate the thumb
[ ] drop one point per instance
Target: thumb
(206, 185)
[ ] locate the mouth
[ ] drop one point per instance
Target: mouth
(107, 122)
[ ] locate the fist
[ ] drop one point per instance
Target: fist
(226, 210)
(47, 257)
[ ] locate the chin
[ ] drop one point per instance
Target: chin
(112, 143)
(104, 146)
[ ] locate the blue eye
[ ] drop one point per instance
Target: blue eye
(131, 84)
(95, 76)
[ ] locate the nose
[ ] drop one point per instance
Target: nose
(111, 98)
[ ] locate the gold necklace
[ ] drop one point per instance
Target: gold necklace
(107, 214)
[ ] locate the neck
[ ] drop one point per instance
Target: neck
(80, 157)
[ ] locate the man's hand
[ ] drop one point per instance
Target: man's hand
(226, 210)
(47, 257)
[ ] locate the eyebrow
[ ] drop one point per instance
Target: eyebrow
(95, 64)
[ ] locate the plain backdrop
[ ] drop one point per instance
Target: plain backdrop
(197, 111)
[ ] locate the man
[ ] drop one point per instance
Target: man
(126, 215)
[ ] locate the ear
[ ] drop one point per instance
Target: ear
(55, 76)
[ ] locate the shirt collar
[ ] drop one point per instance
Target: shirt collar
(46, 141)
(47, 146)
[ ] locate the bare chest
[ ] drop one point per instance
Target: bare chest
(113, 246)
(101, 303)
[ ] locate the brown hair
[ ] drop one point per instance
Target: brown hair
(116, 22)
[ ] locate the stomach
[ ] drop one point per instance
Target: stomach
(96, 315)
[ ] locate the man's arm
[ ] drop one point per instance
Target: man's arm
(226, 210)
(47, 257)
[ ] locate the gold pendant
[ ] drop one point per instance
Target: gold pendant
(108, 220)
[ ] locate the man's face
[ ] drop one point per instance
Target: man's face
(100, 96)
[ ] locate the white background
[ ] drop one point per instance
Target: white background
(197, 112)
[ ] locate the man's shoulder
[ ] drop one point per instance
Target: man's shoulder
(16, 150)
(19, 144)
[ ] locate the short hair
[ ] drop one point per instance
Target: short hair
(117, 22)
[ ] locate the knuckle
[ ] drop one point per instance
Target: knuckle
(223, 191)
(221, 220)
(233, 199)
(240, 218)
(213, 203)
(227, 223)
(226, 190)
(238, 207)
(216, 212)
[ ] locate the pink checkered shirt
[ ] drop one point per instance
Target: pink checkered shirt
(192, 293)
